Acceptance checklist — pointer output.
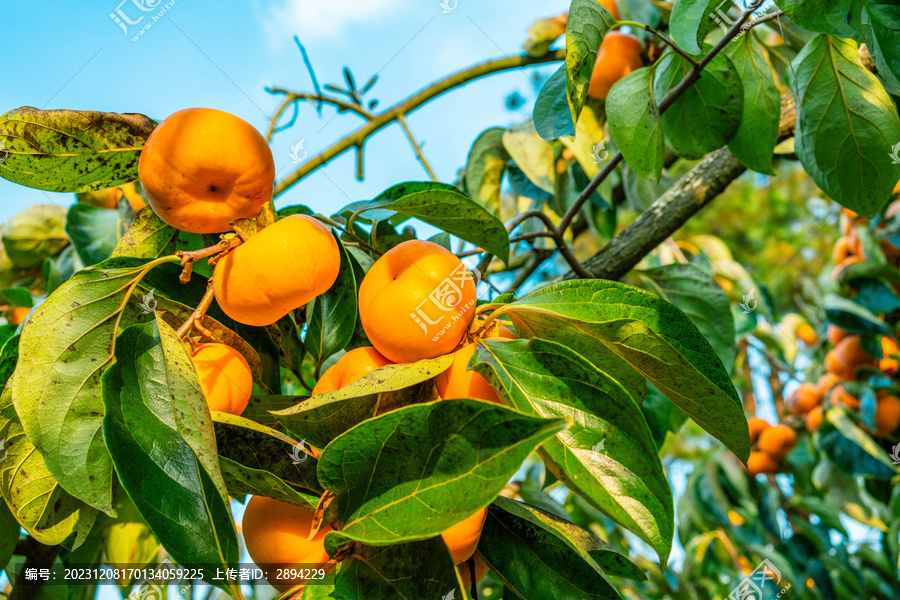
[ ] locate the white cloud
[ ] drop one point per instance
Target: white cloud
(321, 19)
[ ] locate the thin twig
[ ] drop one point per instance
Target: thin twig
(409, 105)
(189, 258)
(417, 147)
(312, 73)
(664, 38)
(199, 312)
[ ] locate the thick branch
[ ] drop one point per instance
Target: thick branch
(696, 189)
(407, 106)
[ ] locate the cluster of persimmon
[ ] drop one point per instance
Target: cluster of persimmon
(203, 169)
(771, 445)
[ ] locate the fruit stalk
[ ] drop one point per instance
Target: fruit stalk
(199, 312)
(189, 258)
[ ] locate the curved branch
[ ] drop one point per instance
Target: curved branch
(407, 106)
(700, 186)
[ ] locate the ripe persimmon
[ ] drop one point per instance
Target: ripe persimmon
(835, 334)
(756, 426)
(462, 538)
(777, 441)
(850, 260)
(480, 567)
(825, 383)
(353, 365)
(276, 533)
(203, 168)
(17, 314)
(612, 7)
(839, 396)
(416, 302)
(281, 268)
(619, 55)
(841, 250)
(889, 365)
(804, 399)
(224, 377)
(761, 462)
(459, 382)
(887, 415)
(807, 334)
(846, 356)
(814, 418)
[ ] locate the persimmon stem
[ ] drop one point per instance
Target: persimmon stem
(189, 258)
(199, 312)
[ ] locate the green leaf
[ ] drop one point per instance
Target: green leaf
(608, 456)
(161, 438)
(47, 512)
(702, 300)
(65, 345)
(241, 479)
(16, 296)
(325, 416)
(94, 232)
(708, 114)
(634, 123)
(70, 150)
(754, 143)
(127, 540)
(552, 116)
(533, 155)
(9, 534)
(587, 25)
(692, 21)
(150, 237)
(331, 317)
(412, 473)
(541, 556)
(258, 458)
(840, 19)
(653, 336)
(847, 314)
(485, 168)
(846, 125)
(414, 570)
(881, 28)
(447, 208)
(34, 234)
(662, 416)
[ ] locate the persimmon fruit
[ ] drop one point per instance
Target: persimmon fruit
(281, 268)
(612, 7)
(480, 567)
(761, 462)
(276, 533)
(462, 538)
(353, 365)
(839, 396)
(887, 415)
(203, 168)
(814, 419)
(619, 55)
(804, 399)
(888, 364)
(756, 426)
(777, 441)
(807, 334)
(17, 314)
(459, 382)
(835, 334)
(416, 302)
(224, 377)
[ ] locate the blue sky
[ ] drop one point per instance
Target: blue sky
(213, 54)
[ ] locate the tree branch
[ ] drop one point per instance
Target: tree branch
(696, 189)
(407, 106)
